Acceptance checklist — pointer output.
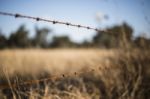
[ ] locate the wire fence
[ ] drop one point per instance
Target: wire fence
(46, 79)
(17, 15)
(52, 77)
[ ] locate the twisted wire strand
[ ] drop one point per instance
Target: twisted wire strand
(17, 15)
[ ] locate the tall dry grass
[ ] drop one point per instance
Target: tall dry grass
(112, 74)
(54, 61)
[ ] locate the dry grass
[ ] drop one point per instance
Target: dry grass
(54, 61)
(114, 75)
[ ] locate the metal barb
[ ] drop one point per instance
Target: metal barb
(48, 20)
(17, 15)
(37, 19)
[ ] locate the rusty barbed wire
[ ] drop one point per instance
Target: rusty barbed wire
(51, 78)
(17, 15)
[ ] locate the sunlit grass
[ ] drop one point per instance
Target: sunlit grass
(56, 61)
(100, 74)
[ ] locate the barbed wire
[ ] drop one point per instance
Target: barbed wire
(17, 15)
(51, 78)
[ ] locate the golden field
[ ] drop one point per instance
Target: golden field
(99, 74)
(53, 60)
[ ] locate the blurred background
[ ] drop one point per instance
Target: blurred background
(118, 16)
(42, 60)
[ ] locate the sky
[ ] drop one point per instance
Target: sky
(95, 13)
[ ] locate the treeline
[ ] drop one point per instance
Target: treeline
(117, 36)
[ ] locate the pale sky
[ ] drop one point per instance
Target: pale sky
(94, 13)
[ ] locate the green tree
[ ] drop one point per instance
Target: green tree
(117, 36)
(40, 39)
(142, 42)
(19, 38)
(62, 41)
(3, 41)
(86, 44)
